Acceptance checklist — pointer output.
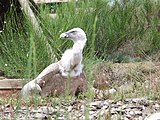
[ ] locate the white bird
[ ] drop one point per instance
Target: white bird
(70, 63)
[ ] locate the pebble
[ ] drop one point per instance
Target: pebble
(111, 91)
(137, 112)
(40, 116)
(157, 106)
(91, 112)
(129, 109)
(132, 113)
(154, 116)
(69, 108)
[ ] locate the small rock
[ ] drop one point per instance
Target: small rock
(91, 117)
(137, 107)
(69, 108)
(154, 116)
(7, 105)
(36, 111)
(21, 111)
(119, 103)
(96, 103)
(125, 118)
(124, 106)
(137, 112)
(117, 110)
(140, 118)
(105, 107)
(157, 106)
(132, 113)
(128, 116)
(82, 108)
(82, 118)
(111, 91)
(61, 118)
(40, 116)
(140, 101)
(91, 112)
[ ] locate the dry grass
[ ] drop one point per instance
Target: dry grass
(139, 79)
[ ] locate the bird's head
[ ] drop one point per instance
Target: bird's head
(75, 34)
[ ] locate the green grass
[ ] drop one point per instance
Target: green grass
(23, 54)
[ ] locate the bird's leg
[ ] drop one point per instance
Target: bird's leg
(73, 73)
(63, 71)
(77, 70)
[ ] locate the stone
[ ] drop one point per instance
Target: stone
(154, 116)
(156, 106)
(132, 113)
(40, 116)
(96, 104)
(57, 86)
(108, 109)
(126, 118)
(140, 118)
(70, 108)
(137, 112)
(112, 91)
(105, 107)
(139, 100)
(91, 112)
(51, 83)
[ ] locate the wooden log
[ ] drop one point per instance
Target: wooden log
(28, 11)
(8, 84)
(51, 1)
(30, 14)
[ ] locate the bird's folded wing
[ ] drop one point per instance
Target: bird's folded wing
(51, 69)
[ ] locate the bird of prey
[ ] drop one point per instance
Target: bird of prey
(70, 63)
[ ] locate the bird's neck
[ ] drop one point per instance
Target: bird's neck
(79, 45)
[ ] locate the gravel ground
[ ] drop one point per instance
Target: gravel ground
(129, 109)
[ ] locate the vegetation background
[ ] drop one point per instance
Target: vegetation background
(125, 31)
(117, 32)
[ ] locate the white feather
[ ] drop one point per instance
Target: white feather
(70, 63)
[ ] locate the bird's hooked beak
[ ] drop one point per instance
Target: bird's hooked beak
(64, 35)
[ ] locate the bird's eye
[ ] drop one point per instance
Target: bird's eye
(73, 32)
